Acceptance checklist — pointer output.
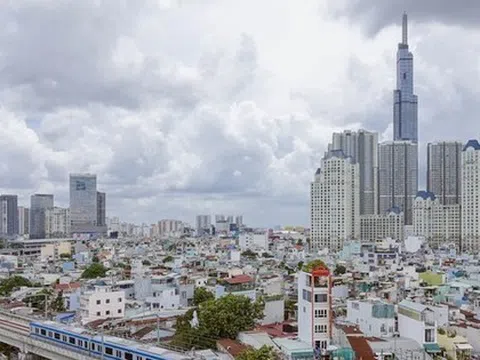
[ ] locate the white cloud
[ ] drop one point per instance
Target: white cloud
(185, 108)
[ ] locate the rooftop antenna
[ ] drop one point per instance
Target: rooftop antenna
(405, 29)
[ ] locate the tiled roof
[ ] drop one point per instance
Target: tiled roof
(233, 347)
(239, 279)
(362, 349)
(67, 287)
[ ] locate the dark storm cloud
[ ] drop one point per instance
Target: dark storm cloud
(376, 14)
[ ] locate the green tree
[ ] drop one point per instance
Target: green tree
(339, 270)
(65, 256)
(12, 283)
(300, 265)
(220, 318)
(249, 254)
(95, 259)
(58, 305)
(300, 242)
(94, 271)
(267, 255)
(200, 295)
(168, 259)
(264, 353)
(146, 263)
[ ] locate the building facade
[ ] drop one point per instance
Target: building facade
(57, 222)
(23, 220)
(169, 227)
(398, 176)
(101, 208)
(102, 302)
(362, 147)
(444, 171)
(470, 198)
(439, 224)
(315, 307)
(405, 102)
(374, 317)
(39, 203)
(8, 215)
(379, 227)
(334, 202)
(203, 224)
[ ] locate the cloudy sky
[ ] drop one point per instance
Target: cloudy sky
(183, 107)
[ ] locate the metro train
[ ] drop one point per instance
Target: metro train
(81, 340)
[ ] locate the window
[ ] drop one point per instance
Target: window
(71, 340)
(107, 301)
(128, 356)
(109, 351)
(37, 330)
(99, 302)
(57, 336)
(92, 346)
(43, 332)
(320, 329)
(119, 311)
(119, 353)
(50, 334)
(80, 343)
(107, 312)
(119, 299)
(138, 357)
(320, 313)
(307, 295)
(99, 348)
(64, 338)
(86, 344)
(321, 298)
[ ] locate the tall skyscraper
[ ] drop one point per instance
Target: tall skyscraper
(23, 220)
(470, 198)
(239, 221)
(405, 112)
(335, 207)
(9, 214)
(203, 224)
(39, 203)
(101, 208)
(444, 171)
(83, 203)
(398, 176)
(361, 146)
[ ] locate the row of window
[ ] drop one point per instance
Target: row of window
(107, 301)
(319, 298)
(107, 312)
(82, 344)
(320, 329)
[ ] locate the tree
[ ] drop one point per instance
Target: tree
(200, 295)
(300, 242)
(12, 283)
(146, 263)
(339, 270)
(249, 254)
(218, 318)
(300, 265)
(94, 271)
(264, 353)
(267, 255)
(58, 305)
(168, 259)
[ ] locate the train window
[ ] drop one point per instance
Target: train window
(128, 356)
(50, 334)
(138, 357)
(109, 351)
(119, 353)
(86, 344)
(37, 330)
(64, 338)
(43, 332)
(92, 346)
(57, 336)
(71, 340)
(80, 343)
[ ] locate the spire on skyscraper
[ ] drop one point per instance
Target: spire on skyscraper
(405, 29)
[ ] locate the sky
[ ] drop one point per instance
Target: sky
(185, 107)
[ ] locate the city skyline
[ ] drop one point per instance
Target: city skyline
(243, 123)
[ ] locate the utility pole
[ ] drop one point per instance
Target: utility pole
(158, 328)
(103, 344)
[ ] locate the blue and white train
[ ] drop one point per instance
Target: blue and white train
(80, 340)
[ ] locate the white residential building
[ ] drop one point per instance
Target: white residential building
(379, 227)
(361, 146)
(470, 197)
(57, 222)
(257, 240)
(203, 223)
(169, 227)
(438, 224)
(164, 298)
(374, 317)
(334, 205)
(417, 322)
(102, 303)
(314, 304)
